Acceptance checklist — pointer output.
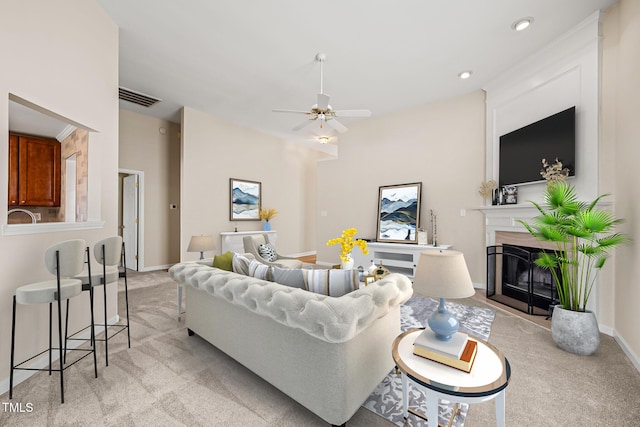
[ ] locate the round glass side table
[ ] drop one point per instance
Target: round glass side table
(487, 380)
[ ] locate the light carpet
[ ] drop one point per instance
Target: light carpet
(170, 379)
(386, 399)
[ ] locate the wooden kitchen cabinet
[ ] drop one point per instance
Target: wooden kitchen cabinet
(34, 171)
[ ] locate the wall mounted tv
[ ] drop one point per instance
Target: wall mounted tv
(522, 151)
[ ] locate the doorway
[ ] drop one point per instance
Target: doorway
(131, 216)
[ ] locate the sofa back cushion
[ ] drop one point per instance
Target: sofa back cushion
(240, 263)
(333, 282)
(259, 270)
(292, 277)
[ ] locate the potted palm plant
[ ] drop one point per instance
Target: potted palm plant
(582, 237)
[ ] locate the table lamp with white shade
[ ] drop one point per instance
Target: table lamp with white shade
(443, 274)
(201, 244)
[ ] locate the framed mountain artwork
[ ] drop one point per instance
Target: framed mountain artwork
(245, 200)
(399, 213)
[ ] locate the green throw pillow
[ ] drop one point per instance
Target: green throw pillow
(223, 262)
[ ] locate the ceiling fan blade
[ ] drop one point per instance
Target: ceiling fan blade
(336, 125)
(352, 113)
(304, 124)
(323, 102)
(291, 111)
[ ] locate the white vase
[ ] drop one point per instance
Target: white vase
(349, 264)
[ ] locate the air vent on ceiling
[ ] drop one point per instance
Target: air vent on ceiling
(137, 97)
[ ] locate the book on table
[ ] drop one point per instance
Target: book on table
(428, 346)
(453, 347)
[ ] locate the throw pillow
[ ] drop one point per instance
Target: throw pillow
(334, 282)
(268, 252)
(240, 264)
(223, 262)
(259, 270)
(288, 277)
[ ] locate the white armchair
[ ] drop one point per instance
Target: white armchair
(252, 245)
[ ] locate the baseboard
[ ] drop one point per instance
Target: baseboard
(635, 360)
(43, 361)
(156, 268)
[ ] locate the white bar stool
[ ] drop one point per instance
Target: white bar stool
(64, 260)
(108, 253)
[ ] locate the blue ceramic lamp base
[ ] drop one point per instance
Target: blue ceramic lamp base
(443, 323)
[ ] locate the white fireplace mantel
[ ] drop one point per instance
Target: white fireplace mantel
(505, 218)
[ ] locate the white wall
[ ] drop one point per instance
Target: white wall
(215, 150)
(144, 147)
(621, 67)
(564, 74)
(440, 145)
(62, 56)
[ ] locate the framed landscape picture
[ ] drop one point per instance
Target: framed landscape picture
(399, 213)
(245, 200)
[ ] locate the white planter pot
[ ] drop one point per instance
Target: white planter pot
(575, 331)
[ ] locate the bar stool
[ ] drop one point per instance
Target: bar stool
(108, 253)
(63, 260)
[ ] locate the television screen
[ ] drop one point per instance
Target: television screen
(522, 151)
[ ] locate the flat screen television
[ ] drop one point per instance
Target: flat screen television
(522, 151)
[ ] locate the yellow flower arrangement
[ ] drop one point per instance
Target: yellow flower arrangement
(347, 242)
(267, 214)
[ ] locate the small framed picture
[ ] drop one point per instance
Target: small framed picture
(368, 279)
(509, 195)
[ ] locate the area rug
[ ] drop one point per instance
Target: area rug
(386, 399)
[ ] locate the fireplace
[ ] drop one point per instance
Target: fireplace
(515, 280)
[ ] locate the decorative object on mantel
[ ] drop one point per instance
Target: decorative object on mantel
(486, 190)
(554, 172)
(509, 195)
(582, 240)
(245, 197)
(201, 244)
(267, 214)
(443, 274)
(434, 231)
(423, 237)
(399, 213)
(347, 243)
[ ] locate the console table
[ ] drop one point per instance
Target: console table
(396, 257)
(232, 240)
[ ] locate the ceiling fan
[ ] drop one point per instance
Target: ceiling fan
(323, 112)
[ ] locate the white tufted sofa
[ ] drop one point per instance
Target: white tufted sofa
(326, 353)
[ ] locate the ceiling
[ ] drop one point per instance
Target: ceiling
(238, 60)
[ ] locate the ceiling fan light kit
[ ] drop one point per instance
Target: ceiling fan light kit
(321, 111)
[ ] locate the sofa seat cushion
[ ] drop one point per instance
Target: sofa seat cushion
(331, 319)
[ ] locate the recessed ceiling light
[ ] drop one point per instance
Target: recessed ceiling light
(465, 75)
(522, 23)
(323, 139)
